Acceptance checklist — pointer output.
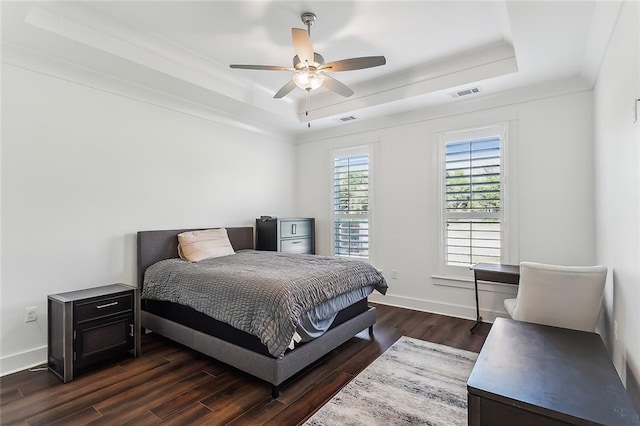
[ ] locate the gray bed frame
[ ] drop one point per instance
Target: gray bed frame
(154, 246)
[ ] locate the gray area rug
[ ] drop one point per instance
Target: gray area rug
(413, 382)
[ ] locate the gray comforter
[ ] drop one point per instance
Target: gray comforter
(261, 293)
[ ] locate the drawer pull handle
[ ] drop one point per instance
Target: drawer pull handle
(296, 242)
(106, 305)
(131, 332)
(294, 228)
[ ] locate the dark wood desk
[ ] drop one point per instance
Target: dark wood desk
(494, 272)
(531, 374)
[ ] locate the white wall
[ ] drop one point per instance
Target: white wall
(83, 170)
(550, 173)
(617, 153)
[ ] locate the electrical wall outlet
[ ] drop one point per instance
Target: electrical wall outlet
(394, 274)
(31, 314)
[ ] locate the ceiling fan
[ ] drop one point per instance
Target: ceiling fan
(309, 67)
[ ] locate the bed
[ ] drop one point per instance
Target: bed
(225, 343)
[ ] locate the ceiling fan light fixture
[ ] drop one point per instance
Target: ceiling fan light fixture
(309, 67)
(308, 79)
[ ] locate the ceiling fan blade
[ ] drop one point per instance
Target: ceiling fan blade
(284, 91)
(337, 87)
(354, 63)
(262, 67)
(302, 45)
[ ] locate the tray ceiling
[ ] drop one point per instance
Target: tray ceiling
(179, 52)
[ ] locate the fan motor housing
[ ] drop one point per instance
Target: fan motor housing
(308, 18)
(317, 58)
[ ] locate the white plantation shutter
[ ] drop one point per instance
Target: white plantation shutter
(351, 206)
(473, 201)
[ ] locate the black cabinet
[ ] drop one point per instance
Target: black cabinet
(90, 326)
(289, 235)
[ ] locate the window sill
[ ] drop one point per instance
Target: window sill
(468, 283)
(355, 259)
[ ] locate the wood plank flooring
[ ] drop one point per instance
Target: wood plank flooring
(173, 385)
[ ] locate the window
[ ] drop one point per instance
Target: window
(351, 184)
(473, 197)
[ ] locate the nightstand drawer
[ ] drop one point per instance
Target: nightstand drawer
(103, 307)
(295, 228)
(296, 246)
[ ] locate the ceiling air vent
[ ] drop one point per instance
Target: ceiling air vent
(465, 92)
(348, 118)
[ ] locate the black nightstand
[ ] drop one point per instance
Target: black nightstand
(91, 326)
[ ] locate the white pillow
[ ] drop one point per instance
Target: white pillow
(198, 245)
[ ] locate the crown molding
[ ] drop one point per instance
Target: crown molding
(230, 113)
(485, 105)
(88, 26)
(465, 68)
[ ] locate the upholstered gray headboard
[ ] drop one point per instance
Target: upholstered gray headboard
(154, 246)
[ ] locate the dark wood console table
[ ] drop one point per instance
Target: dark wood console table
(494, 272)
(531, 374)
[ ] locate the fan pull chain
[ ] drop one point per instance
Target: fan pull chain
(306, 107)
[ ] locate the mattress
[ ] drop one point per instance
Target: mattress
(191, 318)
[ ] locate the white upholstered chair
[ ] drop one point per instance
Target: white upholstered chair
(562, 296)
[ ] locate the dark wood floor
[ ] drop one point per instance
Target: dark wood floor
(171, 384)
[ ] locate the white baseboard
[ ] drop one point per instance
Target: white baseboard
(458, 311)
(38, 356)
(22, 361)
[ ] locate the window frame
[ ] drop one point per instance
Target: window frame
(500, 130)
(348, 152)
